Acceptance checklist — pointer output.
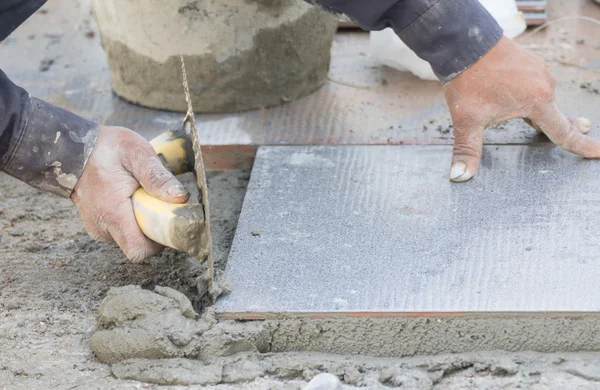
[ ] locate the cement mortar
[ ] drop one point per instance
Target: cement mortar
(408, 336)
(515, 370)
(139, 328)
(527, 370)
(239, 55)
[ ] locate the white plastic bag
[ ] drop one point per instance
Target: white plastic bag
(387, 48)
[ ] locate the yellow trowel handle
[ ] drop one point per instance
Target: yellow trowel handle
(177, 226)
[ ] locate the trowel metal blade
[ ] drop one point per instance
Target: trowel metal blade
(205, 242)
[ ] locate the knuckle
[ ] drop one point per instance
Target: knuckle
(464, 149)
(548, 94)
(156, 175)
(572, 139)
(542, 89)
(137, 253)
(99, 237)
(109, 222)
(468, 142)
(136, 152)
(104, 219)
(97, 234)
(465, 119)
(545, 92)
(130, 139)
(563, 137)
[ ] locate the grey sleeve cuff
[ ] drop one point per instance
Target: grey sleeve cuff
(449, 34)
(452, 35)
(51, 148)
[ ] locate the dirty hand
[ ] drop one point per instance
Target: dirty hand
(508, 82)
(120, 162)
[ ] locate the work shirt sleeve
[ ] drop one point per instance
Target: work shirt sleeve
(40, 144)
(449, 34)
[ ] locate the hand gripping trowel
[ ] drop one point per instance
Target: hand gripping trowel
(185, 227)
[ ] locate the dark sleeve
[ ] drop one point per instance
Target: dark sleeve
(40, 144)
(15, 12)
(449, 34)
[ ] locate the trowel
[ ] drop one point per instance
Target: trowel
(185, 227)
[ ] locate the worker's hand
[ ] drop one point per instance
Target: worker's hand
(508, 82)
(120, 162)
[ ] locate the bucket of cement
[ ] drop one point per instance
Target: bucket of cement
(239, 55)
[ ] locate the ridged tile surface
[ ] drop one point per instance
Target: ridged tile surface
(381, 229)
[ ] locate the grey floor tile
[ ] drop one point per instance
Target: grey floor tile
(380, 229)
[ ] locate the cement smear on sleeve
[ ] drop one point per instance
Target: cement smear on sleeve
(154, 338)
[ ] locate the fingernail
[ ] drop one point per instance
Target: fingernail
(177, 191)
(585, 123)
(458, 170)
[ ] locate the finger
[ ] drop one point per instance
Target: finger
(93, 225)
(97, 234)
(128, 236)
(161, 183)
(567, 133)
(533, 124)
(146, 167)
(468, 144)
(582, 124)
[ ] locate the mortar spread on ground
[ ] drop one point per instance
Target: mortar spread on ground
(156, 337)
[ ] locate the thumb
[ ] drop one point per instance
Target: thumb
(160, 183)
(147, 169)
(468, 144)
